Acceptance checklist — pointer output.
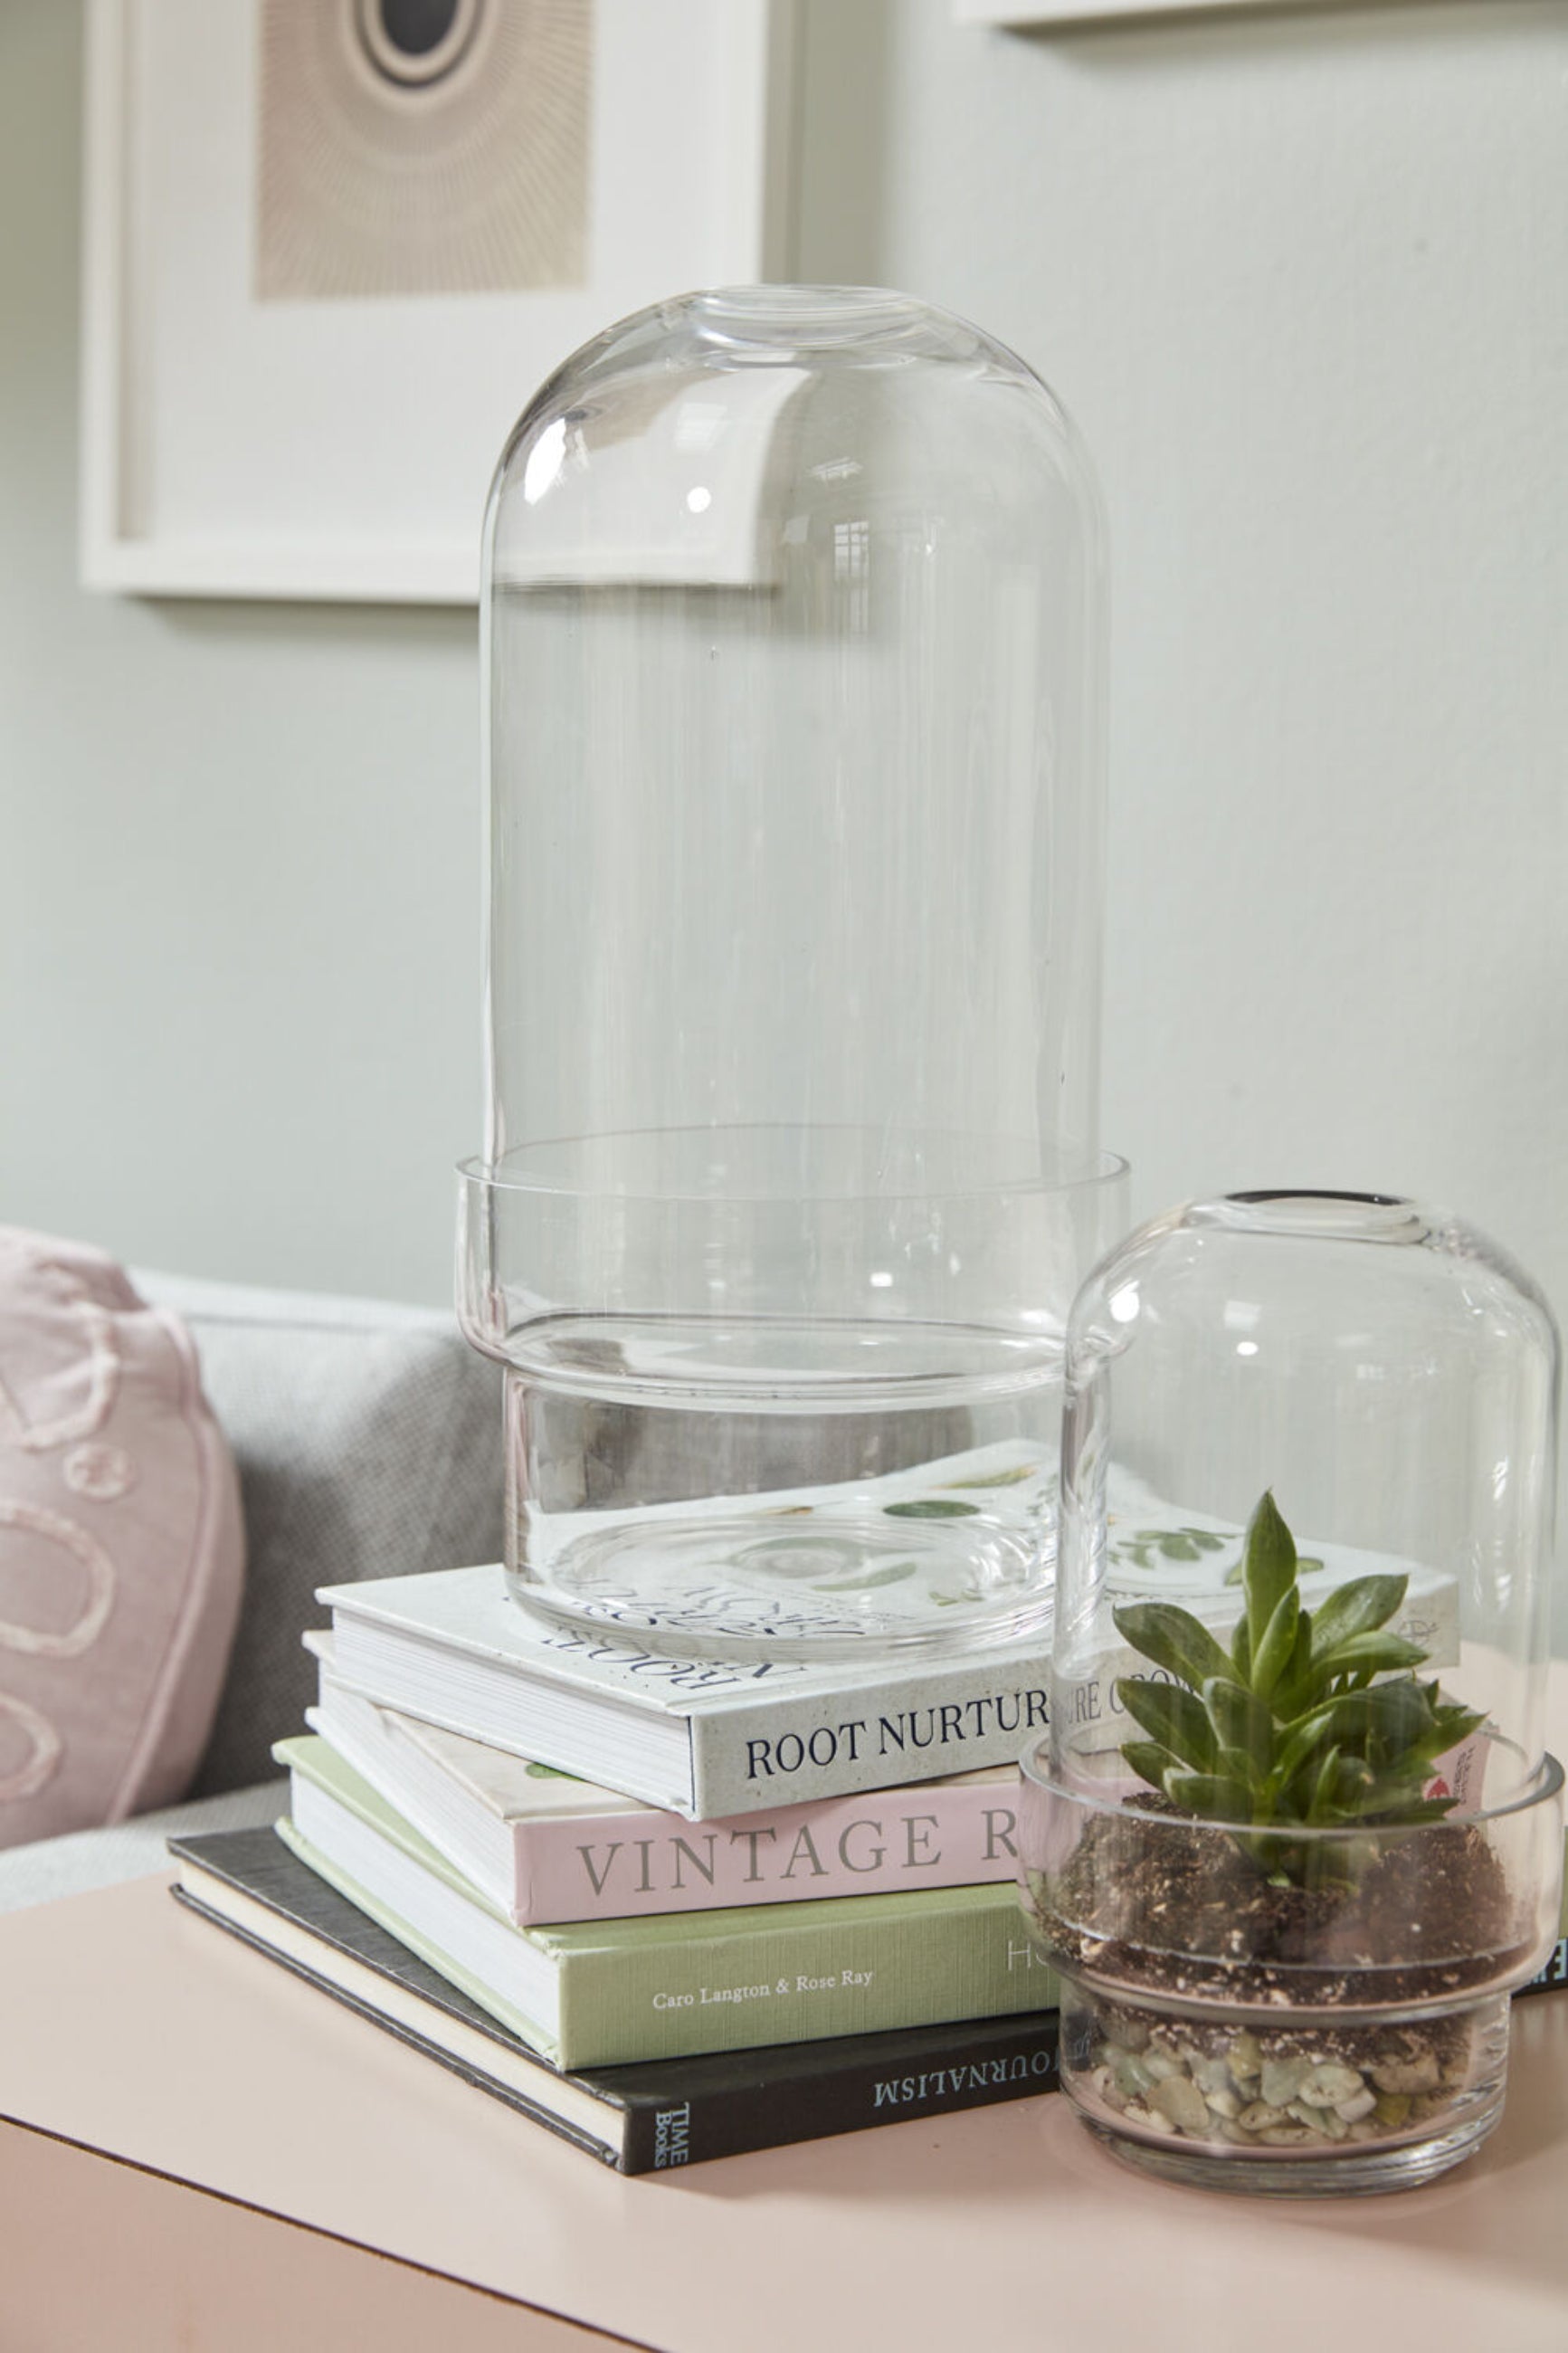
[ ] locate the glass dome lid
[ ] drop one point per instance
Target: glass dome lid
(1387, 1377)
(794, 672)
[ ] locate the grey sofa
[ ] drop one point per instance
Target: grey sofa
(368, 1438)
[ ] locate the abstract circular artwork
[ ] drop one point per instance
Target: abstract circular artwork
(421, 146)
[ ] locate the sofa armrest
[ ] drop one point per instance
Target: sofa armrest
(51, 1867)
(368, 1437)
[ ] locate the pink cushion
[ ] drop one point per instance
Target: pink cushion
(121, 1547)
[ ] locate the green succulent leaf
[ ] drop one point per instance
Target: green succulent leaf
(1302, 1743)
(1386, 1718)
(1325, 1788)
(1273, 1654)
(1362, 1654)
(1452, 1724)
(1242, 1723)
(1295, 1688)
(1173, 1638)
(1236, 1765)
(1212, 1796)
(1268, 1569)
(1150, 1761)
(1241, 1650)
(1359, 1607)
(1171, 1715)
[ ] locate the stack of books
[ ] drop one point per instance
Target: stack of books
(672, 1909)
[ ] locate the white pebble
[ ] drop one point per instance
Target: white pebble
(1180, 2099)
(1414, 2074)
(1282, 2079)
(1246, 2058)
(1327, 2085)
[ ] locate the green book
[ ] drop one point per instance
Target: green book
(605, 1992)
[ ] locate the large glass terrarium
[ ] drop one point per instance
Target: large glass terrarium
(793, 642)
(1294, 1837)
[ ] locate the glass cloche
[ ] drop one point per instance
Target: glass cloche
(794, 659)
(1294, 1835)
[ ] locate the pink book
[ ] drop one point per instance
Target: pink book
(542, 1846)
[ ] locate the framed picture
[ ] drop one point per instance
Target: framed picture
(1092, 12)
(332, 246)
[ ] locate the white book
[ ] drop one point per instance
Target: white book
(701, 1738)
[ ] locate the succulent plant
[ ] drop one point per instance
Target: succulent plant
(1312, 1719)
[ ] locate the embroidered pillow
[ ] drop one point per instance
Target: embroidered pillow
(121, 1547)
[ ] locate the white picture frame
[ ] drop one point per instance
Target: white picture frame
(1023, 14)
(236, 446)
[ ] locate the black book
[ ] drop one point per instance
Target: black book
(640, 2118)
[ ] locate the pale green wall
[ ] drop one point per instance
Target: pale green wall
(238, 851)
(1301, 278)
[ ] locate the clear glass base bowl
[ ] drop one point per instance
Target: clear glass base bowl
(1299, 2013)
(821, 1424)
(901, 1493)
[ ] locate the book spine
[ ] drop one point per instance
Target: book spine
(974, 2070)
(964, 1954)
(621, 1867)
(774, 1747)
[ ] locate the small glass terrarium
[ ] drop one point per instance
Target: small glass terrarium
(1294, 1838)
(791, 628)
